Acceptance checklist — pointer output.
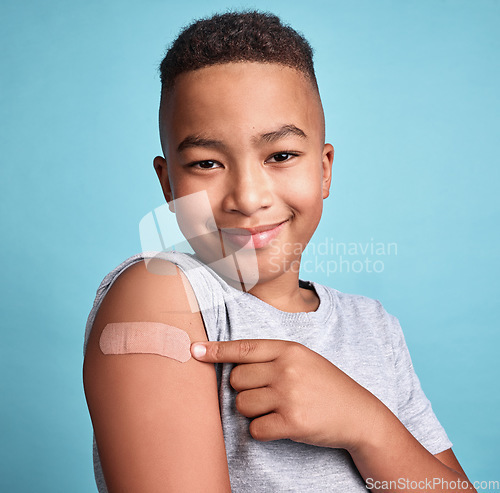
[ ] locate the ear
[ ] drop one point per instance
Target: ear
(327, 169)
(160, 165)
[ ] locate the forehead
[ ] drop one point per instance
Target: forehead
(239, 100)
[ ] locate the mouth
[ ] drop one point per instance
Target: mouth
(257, 237)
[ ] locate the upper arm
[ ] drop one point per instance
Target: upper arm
(156, 420)
(447, 457)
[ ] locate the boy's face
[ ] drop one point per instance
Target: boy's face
(251, 135)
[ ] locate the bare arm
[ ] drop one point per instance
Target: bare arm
(289, 391)
(156, 420)
(390, 453)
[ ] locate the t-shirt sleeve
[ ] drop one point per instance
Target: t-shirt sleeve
(414, 409)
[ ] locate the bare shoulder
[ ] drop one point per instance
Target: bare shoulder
(158, 289)
(156, 420)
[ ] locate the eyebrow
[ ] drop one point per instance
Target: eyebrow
(198, 141)
(268, 137)
(280, 133)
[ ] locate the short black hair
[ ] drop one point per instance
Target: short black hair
(247, 36)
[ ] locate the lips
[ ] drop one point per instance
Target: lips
(257, 237)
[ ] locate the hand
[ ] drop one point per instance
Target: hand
(293, 392)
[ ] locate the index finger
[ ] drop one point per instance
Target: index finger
(238, 351)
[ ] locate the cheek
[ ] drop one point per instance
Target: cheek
(305, 192)
(184, 184)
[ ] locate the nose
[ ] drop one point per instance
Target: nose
(249, 189)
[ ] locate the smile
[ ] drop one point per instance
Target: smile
(257, 237)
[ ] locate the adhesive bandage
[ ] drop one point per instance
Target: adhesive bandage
(146, 337)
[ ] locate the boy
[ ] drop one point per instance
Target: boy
(312, 389)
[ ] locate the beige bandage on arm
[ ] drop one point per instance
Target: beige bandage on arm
(146, 337)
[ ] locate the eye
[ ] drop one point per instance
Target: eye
(205, 165)
(281, 157)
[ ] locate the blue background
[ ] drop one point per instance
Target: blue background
(410, 91)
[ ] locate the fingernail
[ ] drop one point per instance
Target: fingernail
(198, 350)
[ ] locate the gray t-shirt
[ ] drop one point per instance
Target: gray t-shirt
(353, 332)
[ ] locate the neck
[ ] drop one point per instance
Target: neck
(285, 294)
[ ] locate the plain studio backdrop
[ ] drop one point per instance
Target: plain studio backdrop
(410, 91)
